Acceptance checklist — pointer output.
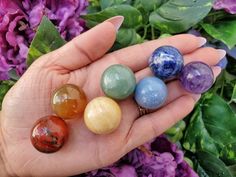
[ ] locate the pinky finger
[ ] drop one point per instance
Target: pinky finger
(154, 124)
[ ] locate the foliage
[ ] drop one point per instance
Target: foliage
(209, 138)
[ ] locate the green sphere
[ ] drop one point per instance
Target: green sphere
(118, 82)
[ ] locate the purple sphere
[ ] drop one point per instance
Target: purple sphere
(197, 77)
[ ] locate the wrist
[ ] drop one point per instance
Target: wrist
(3, 171)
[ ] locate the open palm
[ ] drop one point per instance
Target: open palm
(81, 62)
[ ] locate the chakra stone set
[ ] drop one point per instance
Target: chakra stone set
(102, 115)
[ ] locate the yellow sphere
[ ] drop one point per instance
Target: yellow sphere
(102, 115)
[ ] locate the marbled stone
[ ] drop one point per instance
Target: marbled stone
(49, 134)
(197, 77)
(166, 62)
(151, 93)
(102, 115)
(118, 82)
(69, 101)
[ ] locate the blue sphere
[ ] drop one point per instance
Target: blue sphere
(166, 62)
(151, 93)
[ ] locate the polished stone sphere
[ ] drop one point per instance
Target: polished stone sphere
(151, 93)
(197, 77)
(49, 134)
(118, 82)
(102, 115)
(166, 62)
(69, 101)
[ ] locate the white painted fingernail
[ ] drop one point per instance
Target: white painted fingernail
(202, 41)
(196, 97)
(221, 53)
(116, 21)
(217, 71)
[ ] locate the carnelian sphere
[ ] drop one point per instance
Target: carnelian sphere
(49, 134)
(69, 101)
(102, 115)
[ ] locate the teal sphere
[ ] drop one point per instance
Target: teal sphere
(118, 82)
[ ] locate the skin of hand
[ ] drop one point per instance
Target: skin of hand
(82, 62)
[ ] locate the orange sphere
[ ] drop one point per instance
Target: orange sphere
(69, 101)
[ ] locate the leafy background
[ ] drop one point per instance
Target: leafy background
(208, 134)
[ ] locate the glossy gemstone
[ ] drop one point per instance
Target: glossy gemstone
(166, 62)
(102, 115)
(197, 77)
(69, 101)
(151, 93)
(118, 82)
(49, 134)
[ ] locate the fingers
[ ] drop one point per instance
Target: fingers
(207, 55)
(89, 46)
(136, 56)
(152, 125)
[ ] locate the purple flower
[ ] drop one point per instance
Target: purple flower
(114, 171)
(14, 42)
(228, 5)
(158, 158)
(19, 21)
(65, 15)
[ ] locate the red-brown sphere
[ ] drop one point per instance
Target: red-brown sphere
(49, 134)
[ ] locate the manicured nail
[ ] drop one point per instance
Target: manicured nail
(116, 21)
(221, 53)
(202, 41)
(196, 97)
(217, 71)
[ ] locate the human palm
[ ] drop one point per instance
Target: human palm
(82, 62)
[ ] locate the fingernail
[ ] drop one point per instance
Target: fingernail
(202, 41)
(196, 97)
(217, 71)
(221, 53)
(116, 21)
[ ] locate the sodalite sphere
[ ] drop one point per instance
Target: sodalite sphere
(197, 77)
(166, 62)
(151, 93)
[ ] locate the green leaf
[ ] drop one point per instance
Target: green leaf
(46, 40)
(177, 16)
(175, 133)
(5, 86)
(109, 3)
(126, 37)
(212, 128)
(233, 98)
(224, 31)
(232, 169)
(197, 137)
(212, 166)
(228, 154)
(151, 5)
(200, 171)
(219, 119)
(133, 17)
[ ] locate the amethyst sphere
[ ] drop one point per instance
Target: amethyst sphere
(166, 62)
(197, 77)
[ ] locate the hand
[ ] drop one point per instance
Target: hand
(81, 62)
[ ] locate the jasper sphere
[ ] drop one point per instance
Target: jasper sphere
(49, 134)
